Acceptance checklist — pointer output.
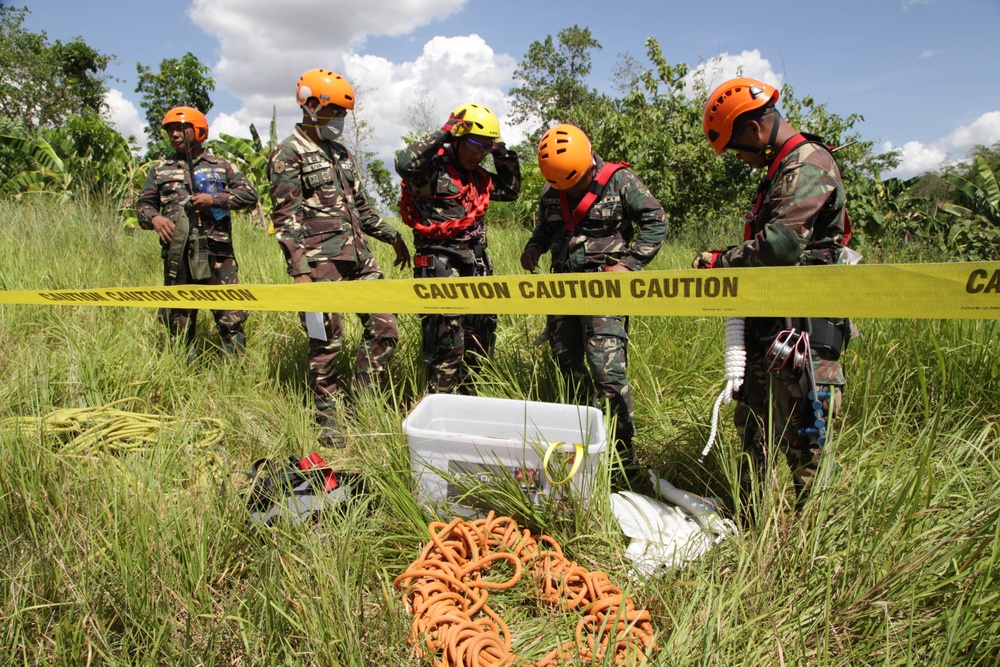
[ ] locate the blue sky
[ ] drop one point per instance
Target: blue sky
(921, 72)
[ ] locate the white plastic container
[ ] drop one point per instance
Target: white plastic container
(455, 436)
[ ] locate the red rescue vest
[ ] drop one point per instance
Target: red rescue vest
(473, 195)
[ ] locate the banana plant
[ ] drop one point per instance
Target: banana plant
(52, 176)
(83, 158)
(976, 227)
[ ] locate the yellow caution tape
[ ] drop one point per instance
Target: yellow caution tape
(928, 291)
(577, 461)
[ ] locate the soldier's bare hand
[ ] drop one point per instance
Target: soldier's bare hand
(529, 258)
(164, 226)
(202, 201)
(303, 278)
(402, 260)
(615, 268)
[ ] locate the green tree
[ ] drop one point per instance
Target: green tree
(657, 128)
(41, 84)
(183, 82)
(552, 77)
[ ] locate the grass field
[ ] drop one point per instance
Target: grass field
(144, 557)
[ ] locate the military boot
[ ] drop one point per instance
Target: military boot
(236, 346)
(330, 434)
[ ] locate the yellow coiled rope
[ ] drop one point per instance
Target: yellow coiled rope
(107, 429)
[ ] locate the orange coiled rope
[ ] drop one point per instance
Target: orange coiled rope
(445, 591)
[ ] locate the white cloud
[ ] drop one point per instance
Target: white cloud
(231, 124)
(909, 3)
(984, 130)
(450, 71)
(929, 53)
(725, 66)
(124, 116)
(916, 159)
(919, 158)
(265, 46)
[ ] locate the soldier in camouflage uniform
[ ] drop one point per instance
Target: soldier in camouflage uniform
(445, 196)
(799, 218)
(588, 216)
(320, 220)
(168, 196)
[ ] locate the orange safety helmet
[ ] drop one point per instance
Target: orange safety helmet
(728, 102)
(327, 87)
(564, 156)
(192, 117)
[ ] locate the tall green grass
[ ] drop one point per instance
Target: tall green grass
(146, 559)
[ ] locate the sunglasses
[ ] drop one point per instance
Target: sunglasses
(487, 146)
(739, 131)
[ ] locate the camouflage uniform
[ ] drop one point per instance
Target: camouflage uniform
(320, 220)
(166, 190)
(801, 221)
(453, 344)
(603, 237)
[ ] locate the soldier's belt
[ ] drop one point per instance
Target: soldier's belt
(929, 291)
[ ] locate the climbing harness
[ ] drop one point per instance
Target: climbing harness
(297, 490)
(446, 590)
(735, 365)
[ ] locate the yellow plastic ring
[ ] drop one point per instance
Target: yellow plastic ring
(577, 462)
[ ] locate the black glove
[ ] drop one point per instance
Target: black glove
(500, 150)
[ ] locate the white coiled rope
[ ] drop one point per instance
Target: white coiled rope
(736, 358)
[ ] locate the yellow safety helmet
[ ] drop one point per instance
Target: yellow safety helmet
(327, 87)
(481, 120)
(192, 117)
(564, 156)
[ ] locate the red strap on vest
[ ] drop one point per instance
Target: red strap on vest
(474, 196)
(595, 190)
(791, 144)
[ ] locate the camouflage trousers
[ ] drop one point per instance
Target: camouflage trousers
(602, 341)
(772, 407)
(183, 321)
(455, 345)
(378, 339)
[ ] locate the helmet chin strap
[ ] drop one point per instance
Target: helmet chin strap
(312, 114)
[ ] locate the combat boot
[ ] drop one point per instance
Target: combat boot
(330, 434)
(236, 346)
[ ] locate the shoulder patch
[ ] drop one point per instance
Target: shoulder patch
(277, 166)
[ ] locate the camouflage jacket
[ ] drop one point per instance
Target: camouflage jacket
(605, 235)
(421, 165)
(168, 187)
(801, 217)
(320, 211)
